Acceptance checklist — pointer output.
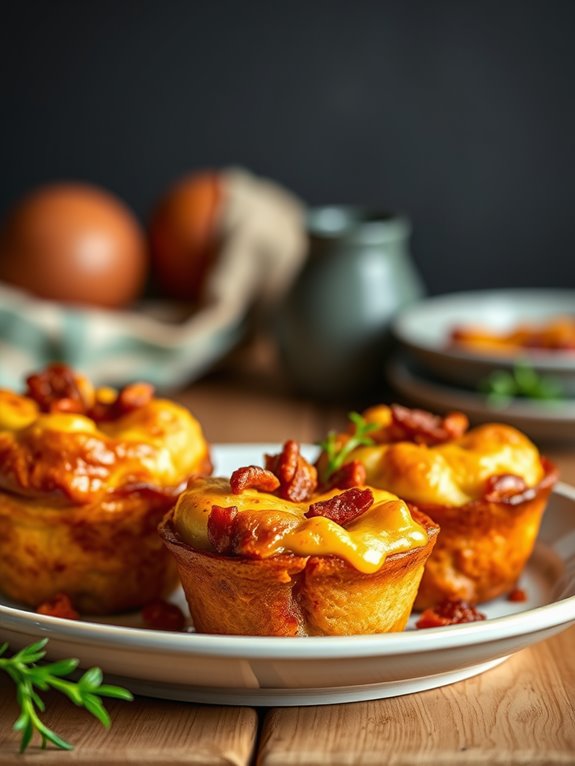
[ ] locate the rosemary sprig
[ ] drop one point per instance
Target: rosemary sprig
(337, 451)
(30, 677)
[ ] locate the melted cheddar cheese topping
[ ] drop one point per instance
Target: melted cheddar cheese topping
(386, 527)
(453, 473)
(159, 444)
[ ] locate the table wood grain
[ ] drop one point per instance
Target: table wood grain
(521, 712)
(516, 714)
(144, 731)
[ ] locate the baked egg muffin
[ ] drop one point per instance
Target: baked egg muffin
(486, 488)
(86, 475)
(262, 553)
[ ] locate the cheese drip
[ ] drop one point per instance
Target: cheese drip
(453, 473)
(387, 527)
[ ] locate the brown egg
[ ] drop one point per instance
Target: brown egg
(74, 243)
(183, 234)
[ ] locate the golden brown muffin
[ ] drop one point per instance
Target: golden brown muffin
(252, 561)
(85, 477)
(487, 488)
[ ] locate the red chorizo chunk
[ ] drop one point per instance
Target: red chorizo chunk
(59, 606)
(343, 508)
(449, 612)
(297, 477)
(517, 595)
(220, 527)
(255, 535)
(161, 615)
(130, 398)
(352, 474)
(253, 477)
(133, 397)
(284, 465)
(249, 534)
(422, 427)
(57, 389)
(507, 486)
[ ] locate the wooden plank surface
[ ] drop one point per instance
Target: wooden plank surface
(520, 713)
(258, 407)
(144, 731)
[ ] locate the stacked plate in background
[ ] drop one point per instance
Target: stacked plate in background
(432, 372)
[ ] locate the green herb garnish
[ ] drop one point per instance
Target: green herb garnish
(337, 451)
(28, 677)
(523, 381)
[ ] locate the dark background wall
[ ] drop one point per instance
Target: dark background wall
(460, 113)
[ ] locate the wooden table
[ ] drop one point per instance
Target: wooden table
(521, 712)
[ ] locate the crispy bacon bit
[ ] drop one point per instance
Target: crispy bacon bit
(58, 389)
(130, 398)
(101, 412)
(253, 477)
(449, 612)
(133, 397)
(284, 465)
(161, 615)
(517, 595)
(220, 527)
(344, 508)
(297, 477)
(254, 534)
(423, 427)
(352, 474)
(506, 486)
(249, 534)
(59, 606)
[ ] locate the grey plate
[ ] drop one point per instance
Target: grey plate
(542, 421)
(424, 329)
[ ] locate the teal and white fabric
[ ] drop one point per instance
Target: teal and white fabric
(111, 347)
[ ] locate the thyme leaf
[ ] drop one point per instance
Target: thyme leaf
(337, 451)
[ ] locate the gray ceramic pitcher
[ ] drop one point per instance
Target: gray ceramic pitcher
(333, 328)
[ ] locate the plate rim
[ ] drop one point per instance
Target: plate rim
(545, 360)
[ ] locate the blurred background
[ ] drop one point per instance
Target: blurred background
(460, 114)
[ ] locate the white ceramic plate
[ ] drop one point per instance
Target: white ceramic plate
(549, 421)
(424, 330)
(310, 671)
